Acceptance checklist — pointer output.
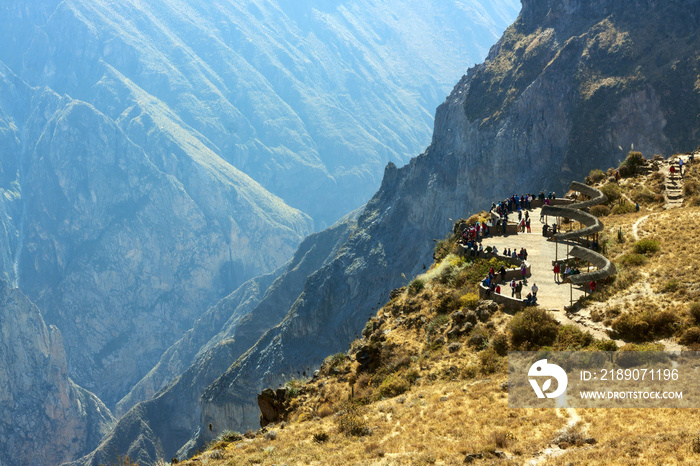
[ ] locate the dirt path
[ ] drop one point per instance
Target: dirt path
(635, 227)
(552, 451)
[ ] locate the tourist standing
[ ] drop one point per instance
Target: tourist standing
(557, 269)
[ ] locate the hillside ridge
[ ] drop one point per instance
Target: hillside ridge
(435, 352)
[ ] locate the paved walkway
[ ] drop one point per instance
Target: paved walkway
(541, 253)
(551, 295)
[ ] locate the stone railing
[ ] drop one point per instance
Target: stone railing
(509, 303)
(591, 225)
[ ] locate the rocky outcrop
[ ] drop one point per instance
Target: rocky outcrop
(45, 418)
(559, 95)
(273, 406)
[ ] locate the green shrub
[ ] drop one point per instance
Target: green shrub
(644, 347)
(489, 361)
(595, 176)
(469, 300)
(671, 286)
(694, 311)
(416, 286)
(435, 324)
(690, 336)
(646, 246)
(447, 304)
(228, 436)
(690, 187)
(632, 164)
(605, 345)
(500, 344)
(571, 338)
(621, 209)
(644, 195)
(633, 260)
(447, 274)
(352, 423)
(532, 329)
(646, 326)
(392, 386)
(613, 192)
(294, 387)
(600, 210)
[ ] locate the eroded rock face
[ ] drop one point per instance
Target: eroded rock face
(160, 426)
(45, 418)
(118, 249)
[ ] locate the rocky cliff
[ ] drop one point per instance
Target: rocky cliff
(46, 418)
(568, 86)
(158, 427)
(119, 247)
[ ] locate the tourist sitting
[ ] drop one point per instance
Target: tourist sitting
(530, 300)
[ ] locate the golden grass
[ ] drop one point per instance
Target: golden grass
(637, 436)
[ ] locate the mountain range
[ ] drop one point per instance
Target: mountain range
(570, 86)
(156, 157)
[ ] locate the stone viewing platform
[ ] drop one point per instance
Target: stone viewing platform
(543, 251)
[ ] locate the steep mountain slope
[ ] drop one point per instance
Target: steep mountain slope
(46, 418)
(554, 73)
(122, 248)
(158, 427)
(303, 97)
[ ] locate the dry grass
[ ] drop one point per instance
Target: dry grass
(637, 436)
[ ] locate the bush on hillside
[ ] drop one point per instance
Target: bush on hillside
(600, 211)
(694, 311)
(648, 325)
(469, 300)
(595, 176)
(416, 286)
(532, 329)
(690, 336)
(644, 195)
(571, 338)
(632, 164)
(624, 208)
(633, 260)
(612, 191)
(646, 246)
